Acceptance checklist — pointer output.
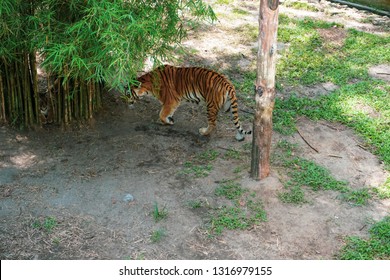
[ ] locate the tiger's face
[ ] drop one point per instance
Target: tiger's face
(144, 87)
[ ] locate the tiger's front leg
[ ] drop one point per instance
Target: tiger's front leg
(167, 111)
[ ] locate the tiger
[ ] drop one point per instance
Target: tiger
(170, 85)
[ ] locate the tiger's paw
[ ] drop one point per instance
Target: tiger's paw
(240, 136)
(166, 121)
(203, 131)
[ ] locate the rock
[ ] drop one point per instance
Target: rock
(128, 198)
(381, 71)
(330, 86)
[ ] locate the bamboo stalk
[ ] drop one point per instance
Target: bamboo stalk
(25, 90)
(76, 99)
(34, 78)
(19, 91)
(3, 117)
(59, 102)
(90, 96)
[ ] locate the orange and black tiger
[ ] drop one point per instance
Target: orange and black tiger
(172, 84)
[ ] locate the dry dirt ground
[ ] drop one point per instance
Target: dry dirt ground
(90, 192)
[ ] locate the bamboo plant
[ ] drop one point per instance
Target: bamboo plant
(81, 49)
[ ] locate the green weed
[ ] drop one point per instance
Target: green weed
(376, 247)
(239, 12)
(230, 190)
(243, 214)
(223, 2)
(197, 171)
(247, 32)
(200, 165)
(48, 224)
(208, 155)
(301, 6)
(237, 218)
(159, 214)
(364, 106)
(383, 191)
(157, 235)
(305, 173)
(194, 204)
(357, 197)
(295, 196)
(232, 154)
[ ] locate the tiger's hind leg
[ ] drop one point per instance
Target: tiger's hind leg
(212, 113)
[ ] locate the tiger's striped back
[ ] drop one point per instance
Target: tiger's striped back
(172, 84)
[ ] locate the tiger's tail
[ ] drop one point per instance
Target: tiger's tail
(234, 110)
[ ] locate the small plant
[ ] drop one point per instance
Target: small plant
(383, 191)
(357, 197)
(244, 213)
(197, 170)
(239, 12)
(376, 247)
(237, 170)
(295, 196)
(200, 165)
(48, 224)
(305, 173)
(194, 204)
(157, 235)
(159, 214)
(236, 217)
(230, 190)
(208, 155)
(232, 154)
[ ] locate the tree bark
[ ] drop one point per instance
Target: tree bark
(264, 89)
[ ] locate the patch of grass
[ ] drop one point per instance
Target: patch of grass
(294, 196)
(301, 6)
(305, 173)
(48, 224)
(376, 247)
(243, 214)
(237, 218)
(208, 155)
(239, 12)
(194, 204)
(159, 214)
(197, 171)
(357, 197)
(364, 106)
(230, 190)
(308, 61)
(237, 170)
(232, 154)
(157, 235)
(247, 32)
(383, 191)
(200, 165)
(223, 2)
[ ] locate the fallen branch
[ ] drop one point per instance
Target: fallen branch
(303, 138)
(336, 156)
(378, 73)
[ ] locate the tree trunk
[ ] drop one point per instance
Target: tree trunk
(265, 89)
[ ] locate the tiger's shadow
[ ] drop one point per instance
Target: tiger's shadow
(167, 131)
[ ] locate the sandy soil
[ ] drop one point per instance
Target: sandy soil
(100, 183)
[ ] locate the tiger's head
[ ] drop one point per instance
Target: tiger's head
(144, 86)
